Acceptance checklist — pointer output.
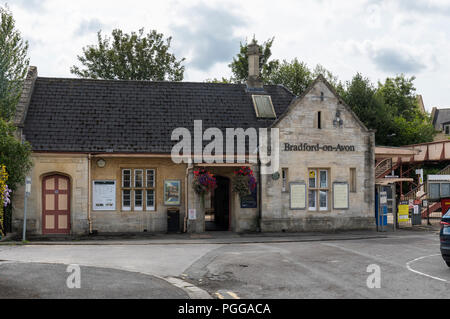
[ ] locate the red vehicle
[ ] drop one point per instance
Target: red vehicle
(445, 204)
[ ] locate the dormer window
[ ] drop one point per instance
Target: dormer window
(264, 107)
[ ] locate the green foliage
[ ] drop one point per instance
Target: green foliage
(14, 155)
(391, 110)
(217, 81)
(13, 64)
(239, 66)
(295, 76)
(132, 56)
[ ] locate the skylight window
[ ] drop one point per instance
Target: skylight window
(264, 107)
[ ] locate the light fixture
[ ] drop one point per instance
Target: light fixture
(338, 122)
(101, 163)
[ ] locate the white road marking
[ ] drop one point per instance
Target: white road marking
(408, 265)
(222, 294)
(232, 294)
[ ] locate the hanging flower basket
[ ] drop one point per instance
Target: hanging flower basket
(204, 182)
(244, 182)
(5, 193)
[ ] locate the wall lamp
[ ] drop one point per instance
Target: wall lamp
(338, 122)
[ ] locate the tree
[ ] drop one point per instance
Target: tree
(223, 80)
(391, 110)
(13, 64)
(239, 66)
(294, 75)
(14, 155)
(363, 97)
(132, 56)
(399, 94)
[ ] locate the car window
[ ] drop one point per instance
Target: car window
(448, 214)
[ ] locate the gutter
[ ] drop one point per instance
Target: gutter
(186, 198)
(89, 193)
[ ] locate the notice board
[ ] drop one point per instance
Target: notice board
(104, 195)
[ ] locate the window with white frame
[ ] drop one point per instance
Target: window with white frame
(318, 190)
(138, 189)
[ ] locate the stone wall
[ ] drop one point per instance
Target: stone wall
(137, 221)
(299, 126)
(73, 166)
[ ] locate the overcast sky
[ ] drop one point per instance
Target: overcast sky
(375, 37)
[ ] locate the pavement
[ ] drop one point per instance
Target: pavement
(210, 237)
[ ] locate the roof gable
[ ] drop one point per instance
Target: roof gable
(320, 79)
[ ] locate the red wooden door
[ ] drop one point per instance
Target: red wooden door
(56, 205)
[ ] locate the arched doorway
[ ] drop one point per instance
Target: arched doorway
(56, 205)
(220, 220)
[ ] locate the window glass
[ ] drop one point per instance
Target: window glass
(126, 178)
(434, 190)
(445, 190)
(138, 200)
(150, 178)
(138, 178)
(323, 179)
(285, 179)
(312, 200)
(323, 200)
(150, 200)
(126, 199)
(312, 178)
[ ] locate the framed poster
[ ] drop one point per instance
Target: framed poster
(172, 193)
(104, 195)
(251, 200)
(298, 196)
(341, 196)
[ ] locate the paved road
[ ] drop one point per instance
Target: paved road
(410, 266)
(49, 281)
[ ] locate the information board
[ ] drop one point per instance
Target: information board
(104, 195)
(341, 196)
(403, 213)
(298, 196)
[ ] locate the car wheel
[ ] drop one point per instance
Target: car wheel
(448, 263)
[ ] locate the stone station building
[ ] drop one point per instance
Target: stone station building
(102, 158)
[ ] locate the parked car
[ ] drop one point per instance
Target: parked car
(445, 237)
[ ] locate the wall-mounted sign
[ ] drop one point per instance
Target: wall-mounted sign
(341, 196)
(192, 214)
(403, 213)
(251, 200)
(104, 195)
(27, 186)
(298, 196)
(172, 193)
(305, 147)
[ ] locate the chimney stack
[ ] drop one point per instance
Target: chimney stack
(254, 81)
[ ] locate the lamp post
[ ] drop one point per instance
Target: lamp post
(27, 194)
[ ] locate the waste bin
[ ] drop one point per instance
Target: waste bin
(416, 216)
(173, 220)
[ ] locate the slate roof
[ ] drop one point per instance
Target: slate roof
(79, 115)
(441, 116)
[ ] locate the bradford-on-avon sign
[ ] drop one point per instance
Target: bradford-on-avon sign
(305, 147)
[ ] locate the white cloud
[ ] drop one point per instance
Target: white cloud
(375, 37)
